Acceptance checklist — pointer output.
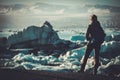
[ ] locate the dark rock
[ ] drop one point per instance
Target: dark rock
(113, 70)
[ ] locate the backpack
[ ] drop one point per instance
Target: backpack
(98, 34)
(101, 36)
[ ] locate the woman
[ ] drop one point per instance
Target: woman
(95, 36)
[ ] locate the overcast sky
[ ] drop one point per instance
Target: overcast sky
(16, 11)
(104, 2)
(58, 6)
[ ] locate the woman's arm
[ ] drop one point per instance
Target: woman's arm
(88, 34)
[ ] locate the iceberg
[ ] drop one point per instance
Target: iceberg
(43, 38)
(33, 36)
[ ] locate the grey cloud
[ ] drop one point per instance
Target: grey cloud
(49, 6)
(6, 8)
(18, 6)
(111, 8)
(4, 20)
(41, 6)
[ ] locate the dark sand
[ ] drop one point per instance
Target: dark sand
(11, 74)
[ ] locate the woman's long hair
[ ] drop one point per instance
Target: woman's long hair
(93, 18)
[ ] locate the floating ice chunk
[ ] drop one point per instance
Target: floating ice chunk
(28, 65)
(18, 57)
(76, 62)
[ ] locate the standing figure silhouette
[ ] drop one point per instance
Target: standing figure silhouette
(95, 36)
